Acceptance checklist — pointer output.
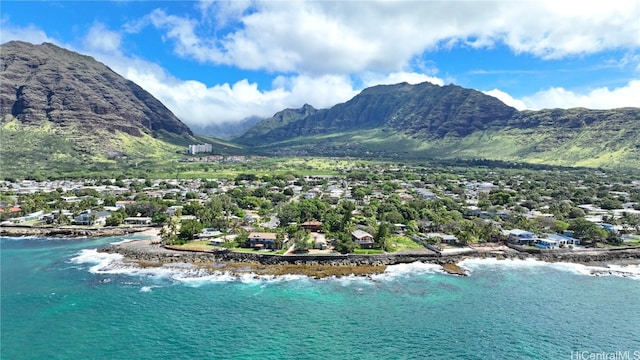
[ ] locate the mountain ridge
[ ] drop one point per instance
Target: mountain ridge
(49, 83)
(61, 110)
(88, 116)
(428, 118)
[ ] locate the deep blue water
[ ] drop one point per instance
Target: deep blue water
(62, 300)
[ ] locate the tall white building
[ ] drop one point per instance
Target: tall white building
(200, 148)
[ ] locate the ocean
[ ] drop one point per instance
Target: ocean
(61, 299)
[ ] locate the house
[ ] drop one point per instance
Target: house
(363, 238)
(520, 237)
(547, 244)
(30, 217)
(608, 227)
(444, 238)
(250, 219)
(399, 228)
(472, 211)
(208, 233)
(137, 220)
(313, 226)
(88, 217)
(563, 239)
(426, 194)
(12, 209)
(260, 240)
(174, 210)
(123, 203)
(216, 241)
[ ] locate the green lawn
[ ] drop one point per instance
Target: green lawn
(196, 245)
(367, 251)
(398, 243)
(251, 250)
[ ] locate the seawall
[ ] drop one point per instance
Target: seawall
(158, 254)
(65, 232)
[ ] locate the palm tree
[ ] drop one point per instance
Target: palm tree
(169, 232)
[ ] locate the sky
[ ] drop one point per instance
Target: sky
(217, 62)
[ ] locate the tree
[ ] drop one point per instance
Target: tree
(382, 236)
(333, 222)
(499, 198)
(393, 217)
(576, 213)
(344, 243)
(586, 230)
(629, 221)
(168, 233)
(110, 200)
(160, 218)
(300, 240)
(116, 218)
(610, 203)
(62, 219)
(189, 228)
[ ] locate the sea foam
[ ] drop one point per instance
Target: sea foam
(630, 271)
(188, 274)
(403, 270)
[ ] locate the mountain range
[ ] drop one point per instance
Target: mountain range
(426, 121)
(63, 110)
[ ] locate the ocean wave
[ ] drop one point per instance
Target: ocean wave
(249, 278)
(149, 288)
(25, 237)
(628, 271)
(100, 260)
(409, 269)
(123, 241)
(188, 274)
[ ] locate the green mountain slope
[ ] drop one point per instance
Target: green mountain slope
(62, 112)
(428, 121)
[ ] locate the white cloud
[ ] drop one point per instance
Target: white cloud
(600, 98)
(348, 37)
(399, 77)
(329, 50)
(102, 39)
(29, 33)
(507, 99)
(195, 103)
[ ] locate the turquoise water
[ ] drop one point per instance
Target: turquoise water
(62, 300)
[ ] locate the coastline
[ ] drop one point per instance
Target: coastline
(149, 253)
(73, 231)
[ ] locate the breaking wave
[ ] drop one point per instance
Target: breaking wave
(191, 275)
(628, 271)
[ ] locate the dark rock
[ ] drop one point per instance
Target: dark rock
(44, 83)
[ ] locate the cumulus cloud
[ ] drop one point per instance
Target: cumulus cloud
(325, 52)
(344, 36)
(100, 38)
(29, 33)
(195, 103)
(600, 98)
(399, 77)
(507, 99)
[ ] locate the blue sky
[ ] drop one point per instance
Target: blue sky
(217, 61)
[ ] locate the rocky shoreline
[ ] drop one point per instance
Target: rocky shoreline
(69, 232)
(146, 253)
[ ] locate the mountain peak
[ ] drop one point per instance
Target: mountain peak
(424, 109)
(47, 84)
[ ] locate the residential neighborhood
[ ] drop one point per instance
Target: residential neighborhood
(365, 210)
